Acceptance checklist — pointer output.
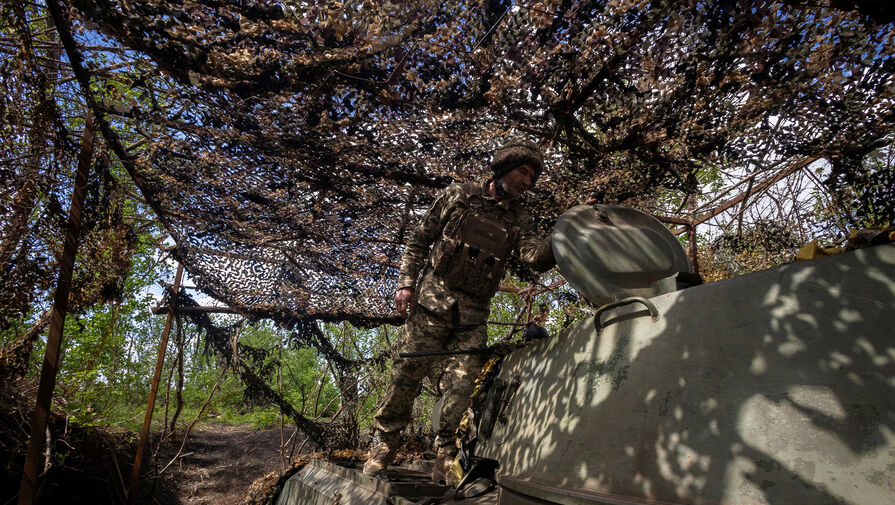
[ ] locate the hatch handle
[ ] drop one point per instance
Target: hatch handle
(653, 311)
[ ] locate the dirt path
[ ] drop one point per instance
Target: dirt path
(221, 461)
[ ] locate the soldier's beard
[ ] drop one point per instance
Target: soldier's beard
(502, 193)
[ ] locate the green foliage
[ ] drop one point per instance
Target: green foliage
(755, 248)
(258, 418)
(108, 350)
(863, 185)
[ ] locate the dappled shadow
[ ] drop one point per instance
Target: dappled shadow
(776, 387)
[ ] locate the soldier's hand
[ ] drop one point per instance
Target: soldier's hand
(403, 300)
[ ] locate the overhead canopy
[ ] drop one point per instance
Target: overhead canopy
(290, 147)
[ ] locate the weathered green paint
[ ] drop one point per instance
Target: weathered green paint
(772, 388)
(608, 252)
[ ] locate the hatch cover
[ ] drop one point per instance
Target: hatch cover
(608, 252)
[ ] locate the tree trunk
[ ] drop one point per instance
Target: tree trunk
(179, 390)
(347, 418)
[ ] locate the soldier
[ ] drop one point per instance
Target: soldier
(472, 229)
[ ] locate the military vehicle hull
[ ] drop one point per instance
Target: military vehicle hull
(773, 388)
(327, 483)
(776, 387)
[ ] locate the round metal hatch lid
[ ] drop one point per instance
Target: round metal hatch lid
(608, 251)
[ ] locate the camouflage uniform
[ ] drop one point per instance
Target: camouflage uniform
(447, 318)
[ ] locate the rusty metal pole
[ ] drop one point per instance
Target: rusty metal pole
(691, 250)
(34, 457)
(150, 405)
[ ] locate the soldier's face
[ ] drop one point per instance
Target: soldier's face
(518, 180)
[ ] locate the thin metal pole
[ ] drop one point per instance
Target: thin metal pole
(34, 458)
(150, 405)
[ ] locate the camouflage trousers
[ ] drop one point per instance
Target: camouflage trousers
(455, 376)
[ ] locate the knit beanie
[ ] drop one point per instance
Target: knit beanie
(514, 153)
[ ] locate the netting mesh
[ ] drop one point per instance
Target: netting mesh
(289, 147)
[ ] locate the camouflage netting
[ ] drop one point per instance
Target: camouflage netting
(289, 147)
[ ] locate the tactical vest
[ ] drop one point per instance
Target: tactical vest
(472, 252)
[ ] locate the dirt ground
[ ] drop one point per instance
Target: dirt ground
(220, 462)
(92, 465)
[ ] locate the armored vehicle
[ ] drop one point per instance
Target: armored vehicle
(772, 388)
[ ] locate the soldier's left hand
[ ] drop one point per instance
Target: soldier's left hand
(404, 300)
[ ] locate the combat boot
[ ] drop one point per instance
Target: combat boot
(444, 468)
(382, 453)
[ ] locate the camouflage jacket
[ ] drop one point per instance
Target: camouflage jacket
(431, 291)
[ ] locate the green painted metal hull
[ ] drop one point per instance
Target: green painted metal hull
(772, 388)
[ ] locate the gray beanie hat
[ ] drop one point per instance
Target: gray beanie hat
(516, 152)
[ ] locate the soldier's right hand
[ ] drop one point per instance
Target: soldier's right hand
(403, 300)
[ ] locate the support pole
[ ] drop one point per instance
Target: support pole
(150, 405)
(691, 251)
(34, 457)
